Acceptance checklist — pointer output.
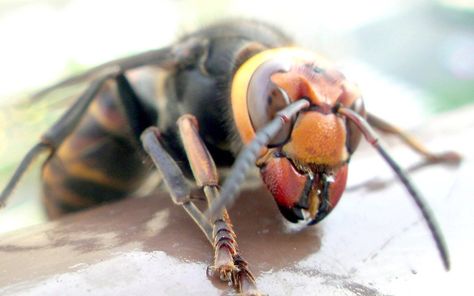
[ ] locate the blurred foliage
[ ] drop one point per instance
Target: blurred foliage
(429, 49)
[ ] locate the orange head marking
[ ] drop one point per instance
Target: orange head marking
(322, 87)
(245, 74)
(318, 138)
(272, 79)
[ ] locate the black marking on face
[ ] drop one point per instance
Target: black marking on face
(323, 210)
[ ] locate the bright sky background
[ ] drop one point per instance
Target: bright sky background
(42, 41)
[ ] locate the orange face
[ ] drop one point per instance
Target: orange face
(305, 167)
(319, 135)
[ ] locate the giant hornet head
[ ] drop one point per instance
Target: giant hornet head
(305, 164)
(301, 121)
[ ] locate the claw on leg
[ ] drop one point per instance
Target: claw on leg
(243, 280)
(447, 157)
(228, 262)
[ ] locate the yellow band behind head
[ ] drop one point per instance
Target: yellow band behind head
(241, 80)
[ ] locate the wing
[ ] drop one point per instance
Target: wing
(167, 58)
(55, 118)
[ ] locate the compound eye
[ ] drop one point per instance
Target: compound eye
(265, 99)
(353, 133)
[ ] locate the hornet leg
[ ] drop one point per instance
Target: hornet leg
(174, 179)
(228, 263)
(411, 141)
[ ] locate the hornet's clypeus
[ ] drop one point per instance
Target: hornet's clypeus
(235, 94)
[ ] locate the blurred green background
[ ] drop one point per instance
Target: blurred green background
(411, 58)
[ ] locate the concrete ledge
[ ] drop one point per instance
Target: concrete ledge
(375, 243)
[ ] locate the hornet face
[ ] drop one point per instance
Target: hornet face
(305, 165)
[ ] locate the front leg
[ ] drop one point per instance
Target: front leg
(228, 264)
(412, 142)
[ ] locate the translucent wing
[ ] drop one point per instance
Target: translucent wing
(23, 123)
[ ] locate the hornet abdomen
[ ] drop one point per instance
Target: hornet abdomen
(99, 162)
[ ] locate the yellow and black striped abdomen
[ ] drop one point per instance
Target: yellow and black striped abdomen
(99, 162)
